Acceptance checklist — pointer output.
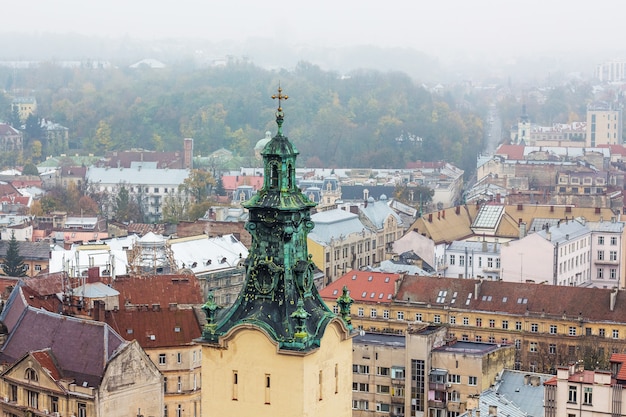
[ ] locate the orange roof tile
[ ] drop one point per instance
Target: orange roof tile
(154, 329)
(231, 182)
(376, 287)
(621, 370)
(158, 289)
(47, 362)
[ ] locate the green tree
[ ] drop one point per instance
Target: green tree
(30, 169)
(14, 263)
(126, 209)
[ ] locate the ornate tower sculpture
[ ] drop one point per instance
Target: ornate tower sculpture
(279, 334)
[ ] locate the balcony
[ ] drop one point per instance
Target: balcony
(397, 400)
(436, 404)
(437, 386)
(605, 262)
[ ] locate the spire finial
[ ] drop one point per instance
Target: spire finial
(279, 112)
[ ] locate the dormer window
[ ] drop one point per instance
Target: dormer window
(31, 375)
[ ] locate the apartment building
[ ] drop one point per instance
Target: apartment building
(604, 124)
(144, 181)
(586, 324)
(577, 392)
(340, 242)
(422, 372)
(574, 252)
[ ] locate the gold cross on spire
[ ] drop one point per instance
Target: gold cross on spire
(280, 97)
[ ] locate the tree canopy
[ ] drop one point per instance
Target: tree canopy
(363, 119)
(13, 265)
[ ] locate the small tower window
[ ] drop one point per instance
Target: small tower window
(267, 388)
(274, 176)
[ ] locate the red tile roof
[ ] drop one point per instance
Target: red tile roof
(619, 358)
(585, 377)
(376, 287)
(158, 289)
(231, 182)
(153, 329)
(513, 152)
(47, 362)
(514, 298)
(615, 149)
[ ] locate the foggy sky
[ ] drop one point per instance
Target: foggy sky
(438, 27)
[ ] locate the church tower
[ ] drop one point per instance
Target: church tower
(523, 128)
(278, 350)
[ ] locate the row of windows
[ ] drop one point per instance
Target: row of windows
(489, 263)
(491, 323)
(572, 395)
(613, 240)
(196, 356)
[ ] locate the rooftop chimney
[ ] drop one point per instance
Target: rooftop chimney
(613, 298)
(477, 286)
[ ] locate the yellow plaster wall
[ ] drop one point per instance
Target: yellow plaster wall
(294, 379)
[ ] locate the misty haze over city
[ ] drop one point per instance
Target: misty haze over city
(478, 39)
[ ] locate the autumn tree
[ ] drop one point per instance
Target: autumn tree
(198, 185)
(13, 265)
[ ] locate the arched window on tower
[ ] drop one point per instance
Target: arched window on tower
(274, 176)
(291, 176)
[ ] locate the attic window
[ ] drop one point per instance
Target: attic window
(381, 295)
(389, 297)
(522, 301)
(486, 298)
(441, 297)
(370, 278)
(129, 331)
(504, 299)
(177, 329)
(372, 295)
(364, 294)
(152, 337)
(386, 279)
(335, 292)
(353, 277)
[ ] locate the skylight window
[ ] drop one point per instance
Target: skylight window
(372, 295)
(381, 295)
(353, 277)
(389, 297)
(504, 299)
(370, 278)
(364, 294)
(386, 279)
(335, 292)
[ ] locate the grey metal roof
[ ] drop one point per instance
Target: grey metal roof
(514, 395)
(136, 176)
(334, 224)
(392, 340)
(566, 231)
(459, 246)
(378, 211)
